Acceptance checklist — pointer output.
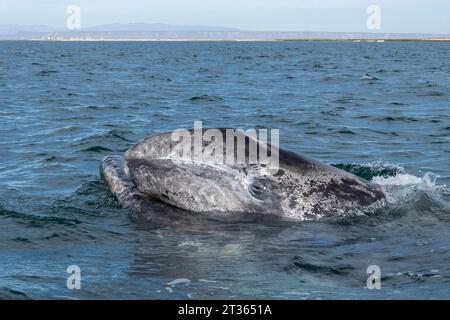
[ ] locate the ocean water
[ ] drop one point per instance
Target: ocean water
(379, 110)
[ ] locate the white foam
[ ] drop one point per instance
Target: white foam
(381, 165)
(178, 281)
(403, 186)
(405, 179)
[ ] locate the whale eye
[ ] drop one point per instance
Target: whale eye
(258, 188)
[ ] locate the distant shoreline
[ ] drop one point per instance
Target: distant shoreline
(236, 40)
(167, 32)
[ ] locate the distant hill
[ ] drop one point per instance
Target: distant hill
(156, 27)
(9, 29)
(115, 27)
(161, 31)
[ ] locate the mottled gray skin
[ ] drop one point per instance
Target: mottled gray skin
(301, 189)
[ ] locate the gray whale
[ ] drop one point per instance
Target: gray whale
(301, 188)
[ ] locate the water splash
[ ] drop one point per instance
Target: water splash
(398, 185)
(405, 187)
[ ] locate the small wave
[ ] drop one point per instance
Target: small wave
(241, 57)
(402, 119)
(206, 98)
(120, 134)
(368, 77)
(201, 70)
(330, 113)
(97, 149)
(299, 264)
(37, 221)
(93, 195)
(99, 139)
(371, 170)
(326, 79)
(11, 294)
(6, 213)
(346, 131)
(385, 133)
(45, 73)
(432, 94)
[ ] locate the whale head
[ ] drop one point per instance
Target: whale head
(298, 187)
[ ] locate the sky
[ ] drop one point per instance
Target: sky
(397, 16)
